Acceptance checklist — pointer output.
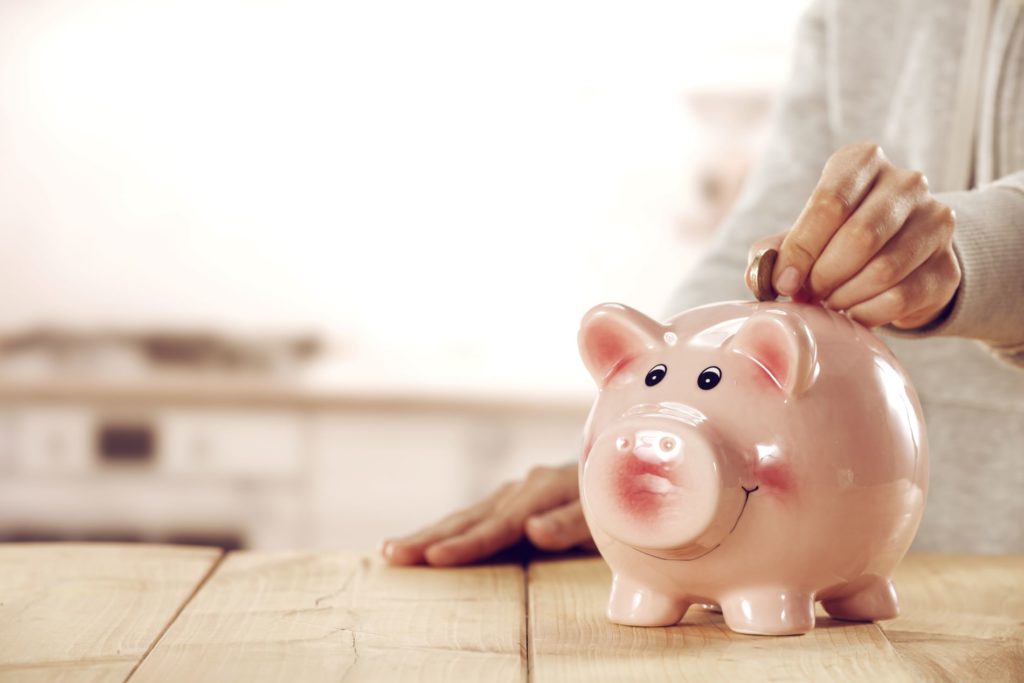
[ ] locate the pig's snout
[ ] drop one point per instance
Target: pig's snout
(661, 484)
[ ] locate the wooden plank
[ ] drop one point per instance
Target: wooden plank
(962, 617)
(571, 640)
(328, 617)
(89, 612)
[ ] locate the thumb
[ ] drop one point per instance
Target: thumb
(769, 242)
(558, 529)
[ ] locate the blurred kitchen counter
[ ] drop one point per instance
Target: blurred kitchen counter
(320, 388)
(270, 463)
(99, 612)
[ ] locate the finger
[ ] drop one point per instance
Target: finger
(543, 489)
(925, 233)
(410, 549)
(479, 542)
(559, 529)
(845, 181)
(770, 242)
(876, 221)
(917, 299)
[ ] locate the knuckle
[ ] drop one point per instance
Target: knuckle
(945, 216)
(950, 267)
(866, 237)
(539, 473)
(885, 269)
(832, 204)
(506, 488)
(864, 152)
(899, 301)
(870, 151)
(914, 182)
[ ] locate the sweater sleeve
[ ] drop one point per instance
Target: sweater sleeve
(774, 193)
(989, 244)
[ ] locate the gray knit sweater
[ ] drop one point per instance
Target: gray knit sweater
(940, 85)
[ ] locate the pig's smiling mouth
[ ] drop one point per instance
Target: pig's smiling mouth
(746, 498)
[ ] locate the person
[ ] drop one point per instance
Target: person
(894, 175)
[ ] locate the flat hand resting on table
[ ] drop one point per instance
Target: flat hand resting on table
(544, 507)
(872, 241)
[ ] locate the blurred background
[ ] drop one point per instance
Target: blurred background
(292, 274)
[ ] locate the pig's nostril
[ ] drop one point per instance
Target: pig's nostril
(622, 443)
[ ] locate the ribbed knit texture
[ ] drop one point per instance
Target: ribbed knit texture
(989, 243)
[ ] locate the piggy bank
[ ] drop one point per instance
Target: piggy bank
(756, 456)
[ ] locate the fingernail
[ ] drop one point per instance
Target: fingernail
(387, 549)
(788, 282)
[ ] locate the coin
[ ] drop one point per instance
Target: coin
(761, 275)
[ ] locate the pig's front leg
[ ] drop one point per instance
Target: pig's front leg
(872, 598)
(765, 611)
(634, 604)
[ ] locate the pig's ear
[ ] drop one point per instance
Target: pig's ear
(611, 335)
(782, 345)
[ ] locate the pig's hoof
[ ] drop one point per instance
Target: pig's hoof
(631, 604)
(769, 612)
(648, 612)
(873, 600)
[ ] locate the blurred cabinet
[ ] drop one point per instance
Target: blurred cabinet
(220, 443)
(53, 440)
(293, 472)
(390, 471)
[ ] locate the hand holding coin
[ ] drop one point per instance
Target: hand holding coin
(872, 241)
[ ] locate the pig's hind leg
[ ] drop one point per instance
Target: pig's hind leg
(870, 598)
(768, 611)
(634, 604)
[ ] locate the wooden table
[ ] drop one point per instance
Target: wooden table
(84, 612)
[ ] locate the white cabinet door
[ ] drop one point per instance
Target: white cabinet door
(379, 473)
(52, 440)
(245, 444)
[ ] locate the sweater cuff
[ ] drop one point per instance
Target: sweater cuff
(989, 245)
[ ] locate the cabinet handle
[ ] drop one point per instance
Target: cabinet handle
(126, 444)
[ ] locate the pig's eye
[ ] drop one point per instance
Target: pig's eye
(709, 378)
(655, 375)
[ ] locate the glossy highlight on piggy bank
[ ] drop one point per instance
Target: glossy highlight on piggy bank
(757, 456)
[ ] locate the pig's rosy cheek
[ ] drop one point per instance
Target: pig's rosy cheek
(774, 475)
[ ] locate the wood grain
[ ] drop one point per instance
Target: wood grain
(92, 612)
(89, 612)
(571, 640)
(329, 617)
(962, 617)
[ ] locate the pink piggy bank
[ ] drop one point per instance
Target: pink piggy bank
(760, 456)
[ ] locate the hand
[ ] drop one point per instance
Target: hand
(871, 241)
(544, 507)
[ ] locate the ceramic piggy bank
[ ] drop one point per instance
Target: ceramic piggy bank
(758, 456)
